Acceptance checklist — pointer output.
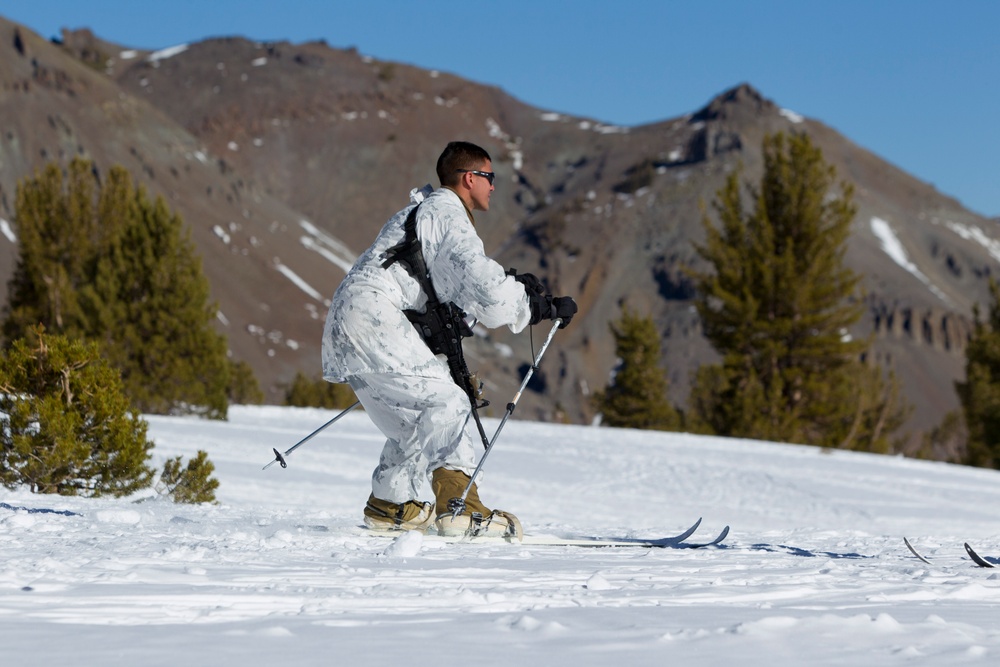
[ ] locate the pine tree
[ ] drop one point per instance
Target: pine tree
(243, 386)
(948, 441)
(777, 307)
(150, 305)
(979, 394)
(879, 410)
(318, 393)
(56, 229)
(66, 425)
(637, 395)
(108, 264)
(191, 485)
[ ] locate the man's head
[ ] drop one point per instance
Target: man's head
(467, 169)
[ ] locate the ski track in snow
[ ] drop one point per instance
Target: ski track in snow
(814, 571)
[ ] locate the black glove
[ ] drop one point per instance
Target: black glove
(532, 285)
(565, 309)
(548, 307)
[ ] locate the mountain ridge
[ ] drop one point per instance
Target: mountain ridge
(302, 151)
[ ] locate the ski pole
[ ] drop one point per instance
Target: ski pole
(280, 458)
(457, 505)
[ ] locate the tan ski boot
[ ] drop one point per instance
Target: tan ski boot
(474, 519)
(383, 515)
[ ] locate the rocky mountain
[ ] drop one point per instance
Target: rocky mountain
(285, 159)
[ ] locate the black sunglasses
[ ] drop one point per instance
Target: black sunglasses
(488, 175)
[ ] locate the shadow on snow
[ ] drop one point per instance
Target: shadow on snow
(37, 510)
(797, 551)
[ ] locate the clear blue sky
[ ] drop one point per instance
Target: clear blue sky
(915, 81)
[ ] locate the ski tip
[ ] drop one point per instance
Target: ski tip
(715, 542)
(914, 551)
(976, 558)
(683, 536)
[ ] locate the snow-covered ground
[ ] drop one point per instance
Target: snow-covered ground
(279, 573)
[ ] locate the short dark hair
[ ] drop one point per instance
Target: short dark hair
(459, 155)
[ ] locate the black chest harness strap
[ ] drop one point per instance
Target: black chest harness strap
(441, 325)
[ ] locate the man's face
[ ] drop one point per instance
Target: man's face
(482, 188)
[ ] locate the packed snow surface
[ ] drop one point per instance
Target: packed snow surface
(280, 573)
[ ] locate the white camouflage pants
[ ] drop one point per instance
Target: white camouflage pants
(425, 421)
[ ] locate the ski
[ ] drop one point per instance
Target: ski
(914, 551)
(677, 542)
(976, 558)
(552, 540)
(674, 542)
(711, 543)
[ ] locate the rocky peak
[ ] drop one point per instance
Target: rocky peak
(743, 101)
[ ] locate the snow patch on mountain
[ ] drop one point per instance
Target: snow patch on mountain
(792, 116)
(168, 52)
(892, 246)
(332, 249)
(8, 230)
(975, 233)
(297, 280)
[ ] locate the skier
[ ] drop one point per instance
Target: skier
(410, 393)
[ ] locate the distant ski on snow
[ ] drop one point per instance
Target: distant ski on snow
(976, 558)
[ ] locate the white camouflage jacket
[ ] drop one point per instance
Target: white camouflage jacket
(366, 330)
